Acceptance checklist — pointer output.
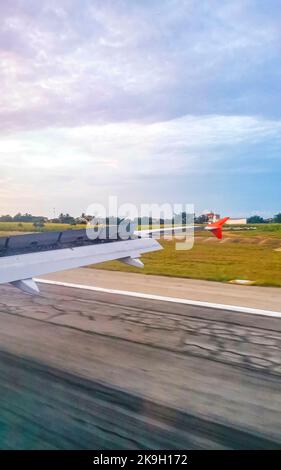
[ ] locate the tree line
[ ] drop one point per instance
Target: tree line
(257, 219)
(184, 218)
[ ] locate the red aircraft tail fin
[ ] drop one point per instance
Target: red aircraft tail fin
(216, 227)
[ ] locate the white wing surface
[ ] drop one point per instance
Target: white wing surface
(26, 256)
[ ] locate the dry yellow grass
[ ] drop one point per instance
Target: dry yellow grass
(16, 227)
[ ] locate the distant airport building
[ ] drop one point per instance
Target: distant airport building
(212, 217)
(236, 221)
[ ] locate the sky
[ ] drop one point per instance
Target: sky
(152, 101)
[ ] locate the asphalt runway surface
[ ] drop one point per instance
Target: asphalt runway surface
(89, 370)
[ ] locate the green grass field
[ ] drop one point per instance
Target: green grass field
(239, 256)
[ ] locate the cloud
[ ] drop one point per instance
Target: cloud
(115, 151)
(135, 98)
(91, 62)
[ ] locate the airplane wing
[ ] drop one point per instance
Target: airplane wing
(215, 228)
(23, 257)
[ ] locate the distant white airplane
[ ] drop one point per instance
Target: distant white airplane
(23, 257)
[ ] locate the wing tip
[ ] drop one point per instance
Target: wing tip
(216, 227)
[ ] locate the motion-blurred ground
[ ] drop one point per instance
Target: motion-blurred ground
(89, 370)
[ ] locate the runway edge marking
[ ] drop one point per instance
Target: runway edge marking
(196, 303)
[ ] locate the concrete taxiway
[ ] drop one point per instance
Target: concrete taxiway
(83, 369)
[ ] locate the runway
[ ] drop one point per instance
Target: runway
(81, 369)
(253, 297)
